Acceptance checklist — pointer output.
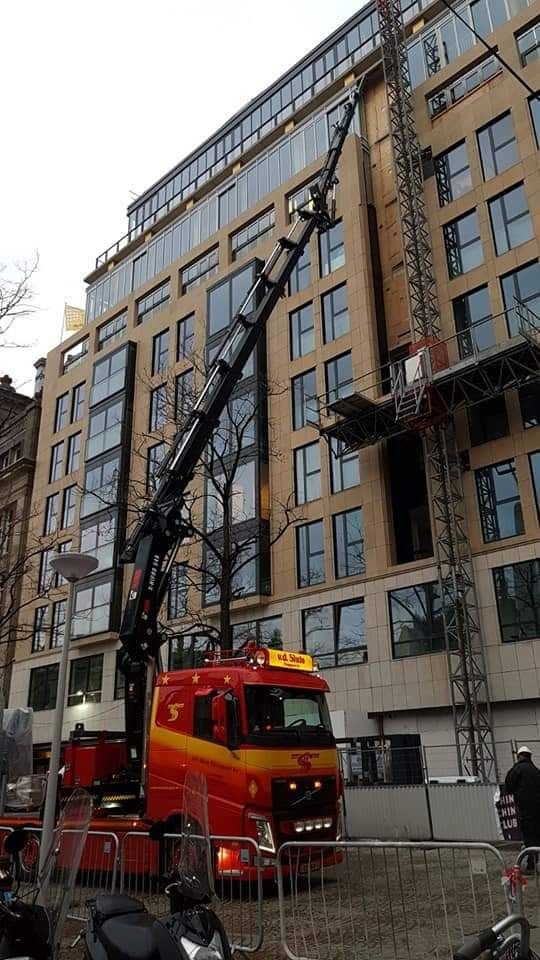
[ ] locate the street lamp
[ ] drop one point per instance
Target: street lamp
(73, 567)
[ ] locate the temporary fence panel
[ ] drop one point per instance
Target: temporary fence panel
(524, 887)
(392, 901)
(464, 811)
(388, 813)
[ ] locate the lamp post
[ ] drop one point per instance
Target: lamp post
(73, 567)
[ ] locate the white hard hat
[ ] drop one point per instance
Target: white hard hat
(524, 750)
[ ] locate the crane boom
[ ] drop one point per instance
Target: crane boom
(153, 544)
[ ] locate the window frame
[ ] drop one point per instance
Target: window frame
(297, 332)
(497, 572)
(488, 131)
(329, 316)
(50, 523)
(454, 247)
(499, 202)
(69, 506)
(343, 563)
(327, 248)
(61, 412)
(304, 477)
(71, 453)
(77, 401)
(301, 399)
(56, 466)
(46, 669)
(488, 498)
(40, 628)
(183, 338)
(431, 589)
(444, 176)
(160, 356)
(300, 562)
(88, 696)
(336, 612)
(340, 390)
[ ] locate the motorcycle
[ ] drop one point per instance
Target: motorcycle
(27, 928)
(121, 928)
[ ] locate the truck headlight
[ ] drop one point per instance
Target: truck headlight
(264, 835)
(197, 951)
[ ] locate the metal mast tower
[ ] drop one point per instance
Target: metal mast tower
(466, 667)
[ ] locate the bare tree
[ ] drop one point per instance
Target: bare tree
(16, 298)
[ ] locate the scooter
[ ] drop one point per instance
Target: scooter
(27, 928)
(121, 928)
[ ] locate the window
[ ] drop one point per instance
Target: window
(497, 146)
(453, 174)
(46, 572)
(58, 623)
(310, 553)
(331, 249)
(335, 313)
(109, 376)
(105, 429)
(344, 467)
(523, 285)
(98, 539)
(51, 514)
(183, 395)
(348, 543)
(473, 320)
(528, 44)
(155, 459)
(498, 499)
(40, 631)
(73, 453)
(416, 620)
(85, 680)
(91, 609)
(338, 373)
(244, 576)
(64, 547)
(300, 278)
(464, 85)
(299, 199)
(529, 402)
(77, 402)
(305, 402)
(160, 352)
(226, 298)
(43, 684)
(488, 421)
(119, 679)
(200, 270)
(153, 301)
(57, 462)
(242, 497)
(534, 107)
(307, 473)
(158, 407)
(264, 633)
(101, 485)
(7, 518)
(68, 507)
(202, 723)
(113, 330)
(74, 355)
(517, 588)
(336, 634)
(248, 237)
(302, 331)
(185, 337)
(61, 413)
(463, 245)
(510, 220)
(178, 588)
(534, 459)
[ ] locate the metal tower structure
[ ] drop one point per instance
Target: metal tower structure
(466, 666)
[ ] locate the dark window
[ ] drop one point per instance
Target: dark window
(264, 633)
(349, 556)
(46, 572)
(109, 376)
(58, 623)
(104, 429)
(155, 458)
(339, 378)
(57, 462)
(528, 44)
(77, 402)
(43, 684)
(158, 407)
(534, 107)
(98, 539)
(74, 355)
(183, 396)
(453, 174)
(497, 146)
(160, 352)
(68, 506)
(41, 628)
(302, 331)
(73, 453)
(529, 402)
(534, 459)
(335, 313)
(474, 327)
(61, 413)
(91, 609)
(510, 219)
(307, 473)
(153, 301)
(187, 651)
(202, 726)
(305, 403)
(177, 596)
(200, 270)
(101, 485)
(113, 330)
(463, 245)
(498, 499)
(488, 421)
(226, 298)
(310, 553)
(464, 85)
(248, 237)
(119, 679)
(517, 588)
(85, 680)
(336, 634)
(301, 276)
(522, 285)
(331, 249)
(185, 337)
(344, 467)
(417, 620)
(51, 514)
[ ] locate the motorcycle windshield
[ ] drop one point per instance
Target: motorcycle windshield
(194, 858)
(57, 879)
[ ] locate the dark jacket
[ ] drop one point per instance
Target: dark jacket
(523, 781)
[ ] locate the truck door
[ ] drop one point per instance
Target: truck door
(214, 751)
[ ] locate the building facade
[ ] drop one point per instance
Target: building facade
(353, 579)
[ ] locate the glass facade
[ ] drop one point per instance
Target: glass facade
(416, 620)
(499, 501)
(523, 285)
(510, 219)
(336, 634)
(517, 589)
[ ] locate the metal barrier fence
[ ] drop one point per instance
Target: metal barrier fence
(525, 889)
(390, 900)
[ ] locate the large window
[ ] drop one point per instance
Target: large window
(528, 44)
(302, 331)
(331, 249)
(85, 678)
(242, 505)
(177, 595)
(68, 506)
(529, 402)
(339, 378)
(416, 620)
(301, 276)
(264, 633)
(113, 330)
(336, 634)
(91, 609)
(77, 402)
(453, 174)
(463, 245)
(43, 684)
(522, 285)
(158, 407)
(304, 397)
(335, 313)
(75, 355)
(349, 558)
(344, 467)
(73, 453)
(153, 301)
(244, 576)
(155, 459)
(534, 459)
(517, 588)
(534, 107)
(247, 238)
(58, 623)
(109, 376)
(160, 352)
(185, 337)
(307, 473)
(183, 395)
(105, 429)
(57, 462)
(510, 219)
(61, 413)
(488, 421)
(226, 298)
(499, 502)
(51, 514)
(98, 539)
(41, 629)
(101, 485)
(473, 319)
(46, 572)
(310, 553)
(463, 85)
(497, 146)
(200, 270)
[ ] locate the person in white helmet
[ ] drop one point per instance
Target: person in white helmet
(523, 782)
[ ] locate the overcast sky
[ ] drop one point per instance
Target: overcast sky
(101, 99)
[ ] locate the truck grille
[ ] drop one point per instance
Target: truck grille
(302, 796)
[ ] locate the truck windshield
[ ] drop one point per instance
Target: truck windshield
(287, 715)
